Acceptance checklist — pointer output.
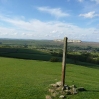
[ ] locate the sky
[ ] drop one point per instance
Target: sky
(50, 19)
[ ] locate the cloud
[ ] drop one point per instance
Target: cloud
(80, 0)
(89, 14)
(6, 32)
(57, 12)
(97, 1)
(37, 29)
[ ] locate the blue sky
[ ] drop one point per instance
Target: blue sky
(50, 19)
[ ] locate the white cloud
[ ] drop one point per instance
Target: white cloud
(57, 12)
(80, 0)
(97, 1)
(36, 29)
(89, 14)
(54, 31)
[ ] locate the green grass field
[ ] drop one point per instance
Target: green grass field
(30, 79)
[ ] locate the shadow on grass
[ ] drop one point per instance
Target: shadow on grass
(28, 56)
(90, 65)
(44, 57)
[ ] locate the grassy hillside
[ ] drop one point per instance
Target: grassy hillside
(29, 79)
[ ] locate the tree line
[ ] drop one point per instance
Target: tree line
(83, 57)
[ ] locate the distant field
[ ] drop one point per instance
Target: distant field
(85, 44)
(44, 43)
(29, 79)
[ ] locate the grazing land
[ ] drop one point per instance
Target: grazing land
(29, 79)
(28, 67)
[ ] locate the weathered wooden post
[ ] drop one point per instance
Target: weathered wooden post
(64, 60)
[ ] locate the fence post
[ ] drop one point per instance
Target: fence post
(64, 60)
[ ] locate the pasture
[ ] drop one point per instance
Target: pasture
(30, 79)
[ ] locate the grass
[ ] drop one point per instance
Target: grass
(30, 79)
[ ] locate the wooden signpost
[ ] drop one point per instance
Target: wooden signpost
(64, 61)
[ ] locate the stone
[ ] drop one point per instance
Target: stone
(53, 85)
(51, 90)
(48, 97)
(73, 91)
(58, 88)
(59, 83)
(54, 94)
(62, 96)
(73, 86)
(67, 92)
(66, 87)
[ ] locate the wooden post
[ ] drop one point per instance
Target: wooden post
(64, 60)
